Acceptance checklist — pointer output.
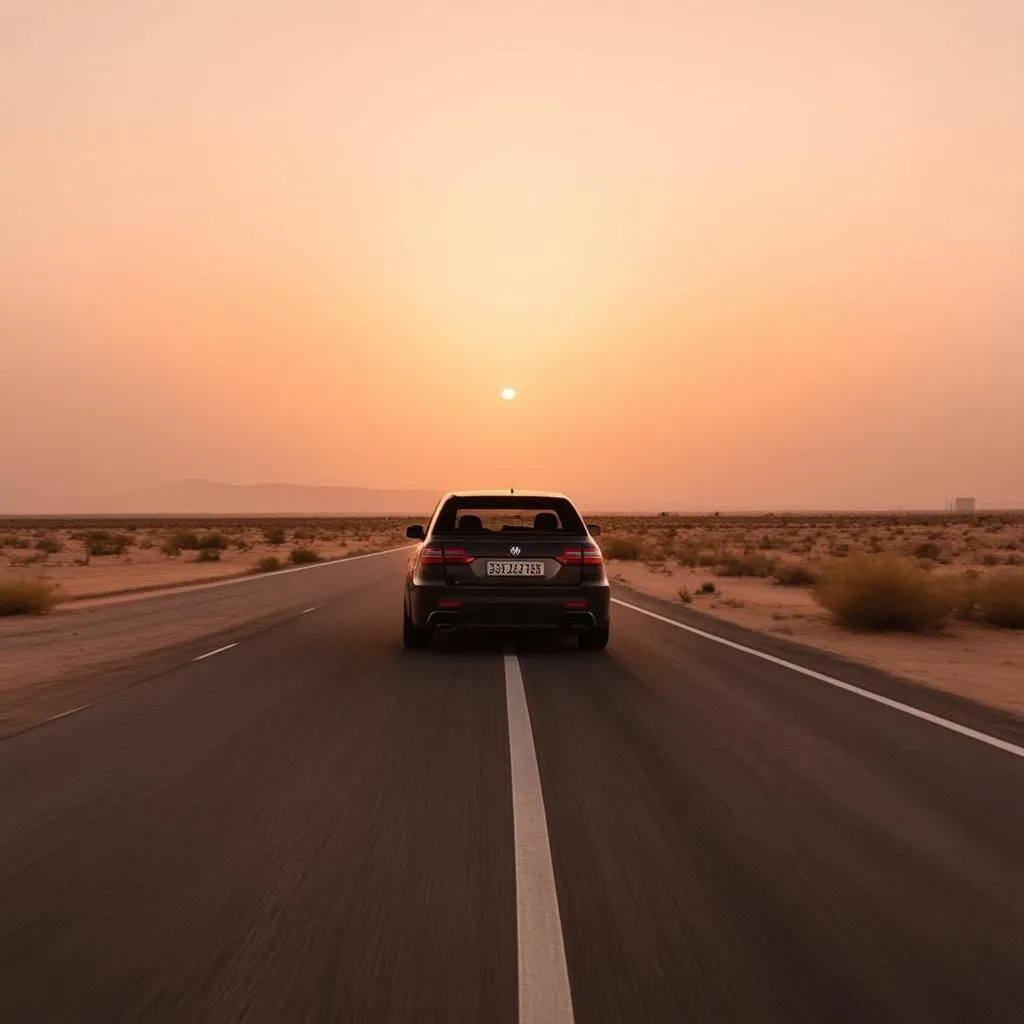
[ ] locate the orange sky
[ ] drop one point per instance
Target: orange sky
(733, 254)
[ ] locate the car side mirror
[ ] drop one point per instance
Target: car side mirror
(415, 532)
(595, 530)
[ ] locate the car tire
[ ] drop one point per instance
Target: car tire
(413, 637)
(594, 639)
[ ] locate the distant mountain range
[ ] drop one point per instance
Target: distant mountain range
(210, 497)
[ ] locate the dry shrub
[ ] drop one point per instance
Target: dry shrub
(928, 550)
(303, 556)
(49, 545)
(208, 555)
(794, 574)
(26, 597)
(628, 549)
(962, 591)
(212, 542)
(268, 564)
(103, 542)
(884, 592)
(999, 600)
(695, 556)
(745, 565)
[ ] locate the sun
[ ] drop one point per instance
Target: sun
(508, 394)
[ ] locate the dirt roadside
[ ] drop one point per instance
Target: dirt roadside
(85, 651)
(979, 662)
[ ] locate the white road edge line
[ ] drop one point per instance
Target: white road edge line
(71, 711)
(210, 654)
(544, 995)
(313, 609)
(945, 723)
(72, 608)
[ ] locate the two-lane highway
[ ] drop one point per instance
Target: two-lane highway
(316, 825)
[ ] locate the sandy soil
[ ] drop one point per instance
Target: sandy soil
(978, 662)
(143, 566)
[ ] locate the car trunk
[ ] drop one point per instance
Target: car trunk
(512, 559)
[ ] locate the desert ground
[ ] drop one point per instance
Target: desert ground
(764, 573)
(89, 559)
(929, 617)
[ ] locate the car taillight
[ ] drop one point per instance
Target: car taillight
(586, 555)
(445, 556)
(432, 556)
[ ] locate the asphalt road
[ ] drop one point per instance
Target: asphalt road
(315, 825)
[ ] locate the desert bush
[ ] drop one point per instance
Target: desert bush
(13, 540)
(688, 554)
(169, 548)
(626, 548)
(745, 565)
(103, 542)
(212, 542)
(208, 555)
(794, 574)
(962, 592)
(49, 545)
(302, 534)
(145, 544)
(928, 550)
(884, 592)
(999, 600)
(274, 535)
(685, 596)
(303, 556)
(707, 588)
(268, 564)
(184, 540)
(241, 544)
(26, 597)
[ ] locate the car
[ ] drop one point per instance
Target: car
(503, 561)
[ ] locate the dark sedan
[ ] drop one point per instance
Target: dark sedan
(505, 560)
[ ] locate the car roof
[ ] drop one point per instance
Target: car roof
(508, 492)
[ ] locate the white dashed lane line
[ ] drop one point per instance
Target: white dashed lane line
(313, 609)
(210, 654)
(544, 994)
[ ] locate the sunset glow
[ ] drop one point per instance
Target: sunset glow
(753, 256)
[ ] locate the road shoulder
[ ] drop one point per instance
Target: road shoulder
(958, 708)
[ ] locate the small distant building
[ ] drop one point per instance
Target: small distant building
(963, 505)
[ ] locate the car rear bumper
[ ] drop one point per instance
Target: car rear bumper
(570, 609)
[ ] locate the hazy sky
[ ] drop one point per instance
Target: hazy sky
(740, 253)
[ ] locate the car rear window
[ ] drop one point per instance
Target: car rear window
(501, 515)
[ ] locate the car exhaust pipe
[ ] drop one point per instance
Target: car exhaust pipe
(580, 622)
(444, 622)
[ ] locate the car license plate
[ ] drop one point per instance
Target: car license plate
(515, 568)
